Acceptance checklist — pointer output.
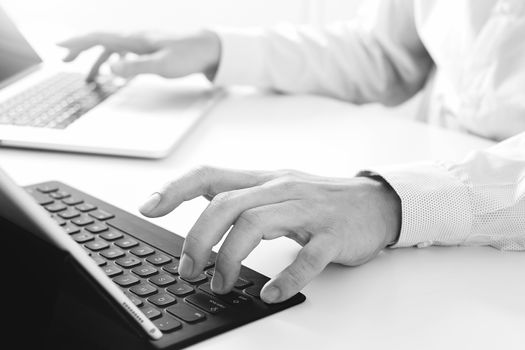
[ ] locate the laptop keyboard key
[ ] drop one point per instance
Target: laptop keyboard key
(162, 300)
(128, 262)
(158, 259)
(232, 298)
(83, 237)
(151, 312)
(59, 194)
(85, 207)
(112, 270)
(47, 188)
(199, 279)
(142, 251)
(112, 253)
(101, 214)
(162, 280)
(172, 268)
(42, 199)
(143, 290)
(242, 283)
(145, 271)
(111, 235)
(97, 245)
(97, 228)
(254, 291)
(98, 260)
(180, 289)
(72, 201)
(71, 229)
(59, 220)
(126, 243)
(186, 313)
(167, 324)
(83, 220)
(126, 280)
(69, 214)
(206, 302)
(138, 302)
(55, 207)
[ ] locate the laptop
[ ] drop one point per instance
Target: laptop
(49, 105)
(136, 264)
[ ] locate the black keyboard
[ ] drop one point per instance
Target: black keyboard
(55, 102)
(143, 260)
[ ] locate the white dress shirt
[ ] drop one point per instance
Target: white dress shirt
(468, 55)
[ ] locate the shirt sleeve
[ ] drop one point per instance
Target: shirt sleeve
(479, 201)
(379, 57)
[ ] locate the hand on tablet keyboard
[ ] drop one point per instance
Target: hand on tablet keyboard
(171, 57)
(346, 221)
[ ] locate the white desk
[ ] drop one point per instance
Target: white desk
(434, 298)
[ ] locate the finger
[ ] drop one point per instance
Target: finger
(311, 260)
(225, 209)
(96, 66)
(266, 222)
(127, 68)
(201, 181)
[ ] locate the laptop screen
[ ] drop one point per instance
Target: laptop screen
(16, 55)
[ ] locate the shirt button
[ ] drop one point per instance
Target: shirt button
(424, 244)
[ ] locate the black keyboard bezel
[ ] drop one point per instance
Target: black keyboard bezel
(171, 244)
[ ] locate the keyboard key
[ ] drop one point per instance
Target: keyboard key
(232, 298)
(71, 229)
(69, 214)
(83, 237)
(162, 280)
(145, 271)
(97, 245)
(101, 214)
(143, 290)
(111, 235)
(97, 228)
(83, 220)
(172, 268)
(128, 262)
(112, 253)
(254, 291)
(127, 242)
(47, 188)
(59, 220)
(206, 302)
(41, 198)
(72, 201)
(98, 260)
(158, 259)
(199, 279)
(112, 270)
(162, 300)
(59, 194)
(151, 312)
(126, 280)
(138, 302)
(186, 313)
(85, 207)
(242, 283)
(180, 289)
(142, 251)
(167, 324)
(55, 207)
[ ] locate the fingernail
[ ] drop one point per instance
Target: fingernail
(270, 294)
(217, 281)
(186, 266)
(151, 203)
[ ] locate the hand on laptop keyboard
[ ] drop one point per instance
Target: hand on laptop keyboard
(172, 57)
(347, 221)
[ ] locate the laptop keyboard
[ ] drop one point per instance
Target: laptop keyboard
(55, 102)
(148, 274)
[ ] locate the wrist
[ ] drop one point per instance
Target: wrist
(390, 207)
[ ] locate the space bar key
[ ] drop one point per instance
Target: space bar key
(156, 236)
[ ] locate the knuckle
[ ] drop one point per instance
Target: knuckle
(250, 217)
(222, 200)
(226, 256)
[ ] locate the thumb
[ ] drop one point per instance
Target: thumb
(128, 68)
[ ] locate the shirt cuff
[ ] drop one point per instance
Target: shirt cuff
(242, 57)
(435, 205)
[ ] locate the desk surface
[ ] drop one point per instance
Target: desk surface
(434, 298)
